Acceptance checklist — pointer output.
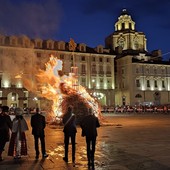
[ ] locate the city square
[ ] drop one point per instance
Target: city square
(125, 142)
(71, 59)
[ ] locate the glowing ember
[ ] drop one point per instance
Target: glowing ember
(57, 88)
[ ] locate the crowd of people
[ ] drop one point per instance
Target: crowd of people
(13, 131)
(136, 109)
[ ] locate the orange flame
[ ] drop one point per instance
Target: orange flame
(54, 87)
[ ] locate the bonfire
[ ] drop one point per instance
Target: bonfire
(60, 90)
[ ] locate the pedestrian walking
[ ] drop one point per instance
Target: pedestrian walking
(89, 126)
(5, 126)
(38, 124)
(69, 121)
(18, 143)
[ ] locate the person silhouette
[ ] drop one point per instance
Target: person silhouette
(38, 125)
(5, 127)
(18, 143)
(89, 125)
(69, 121)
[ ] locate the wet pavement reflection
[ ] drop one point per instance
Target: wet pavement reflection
(123, 143)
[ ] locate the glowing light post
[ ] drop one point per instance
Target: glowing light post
(74, 68)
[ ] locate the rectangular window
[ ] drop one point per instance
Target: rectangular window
(38, 44)
(147, 70)
(38, 55)
(163, 84)
(49, 45)
(148, 83)
(83, 68)
(83, 58)
(137, 70)
(83, 81)
(138, 83)
(93, 69)
(101, 80)
(101, 69)
(155, 82)
(62, 56)
(1, 41)
(162, 71)
(123, 26)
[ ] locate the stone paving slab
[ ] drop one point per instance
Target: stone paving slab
(123, 143)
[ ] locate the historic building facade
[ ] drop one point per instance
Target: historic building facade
(121, 73)
(141, 77)
(95, 68)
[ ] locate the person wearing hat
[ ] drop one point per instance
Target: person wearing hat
(18, 144)
(5, 126)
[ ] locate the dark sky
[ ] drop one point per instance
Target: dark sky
(86, 21)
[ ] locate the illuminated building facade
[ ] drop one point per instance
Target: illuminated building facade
(95, 68)
(121, 73)
(141, 77)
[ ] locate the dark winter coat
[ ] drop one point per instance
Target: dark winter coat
(69, 122)
(5, 126)
(38, 124)
(89, 126)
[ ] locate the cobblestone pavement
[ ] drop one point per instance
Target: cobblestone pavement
(129, 142)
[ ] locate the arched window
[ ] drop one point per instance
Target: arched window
(138, 96)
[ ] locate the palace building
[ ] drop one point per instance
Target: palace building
(95, 68)
(141, 77)
(121, 73)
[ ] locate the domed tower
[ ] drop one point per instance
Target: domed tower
(125, 36)
(124, 22)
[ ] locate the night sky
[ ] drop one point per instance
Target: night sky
(86, 21)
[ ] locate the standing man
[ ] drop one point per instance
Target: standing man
(5, 126)
(89, 126)
(69, 121)
(38, 125)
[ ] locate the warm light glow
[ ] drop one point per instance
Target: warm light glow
(13, 98)
(143, 88)
(6, 84)
(160, 88)
(152, 88)
(51, 84)
(98, 95)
